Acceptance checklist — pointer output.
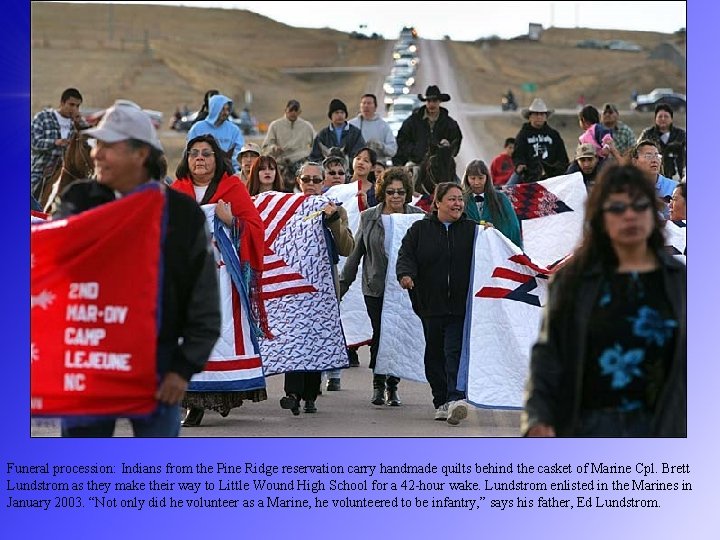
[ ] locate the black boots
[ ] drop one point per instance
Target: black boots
(393, 399)
(292, 402)
(383, 385)
(378, 397)
(193, 417)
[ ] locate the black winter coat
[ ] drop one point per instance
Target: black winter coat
(416, 136)
(542, 151)
(553, 393)
(673, 153)
(438, 261)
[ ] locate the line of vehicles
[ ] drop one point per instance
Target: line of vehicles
(399, 87)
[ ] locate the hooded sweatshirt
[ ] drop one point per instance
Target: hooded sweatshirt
(377, 130)
(228, 135)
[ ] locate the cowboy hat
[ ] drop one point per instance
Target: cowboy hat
(433, 92)
(537, 105)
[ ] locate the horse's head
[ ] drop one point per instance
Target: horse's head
(77, 161)
(437, 166)
(335, 151)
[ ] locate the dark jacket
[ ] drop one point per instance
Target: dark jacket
(673, 153)
(190, 300)
(416, 136)
(438, 260)
(553, 393)
(542, 151)
(351, 141)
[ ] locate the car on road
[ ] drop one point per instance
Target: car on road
(402, 107)
(647, 102)
(395, 123)
(396, 86)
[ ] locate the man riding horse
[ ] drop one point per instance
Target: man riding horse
(51, 132)
(426, 126)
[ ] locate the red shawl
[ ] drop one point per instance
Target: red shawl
(250, 228)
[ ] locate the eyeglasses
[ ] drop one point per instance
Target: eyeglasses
(618, 208)
(309, 179)
(205, 153)
(650, 155)
(337, 173)
(395, 192)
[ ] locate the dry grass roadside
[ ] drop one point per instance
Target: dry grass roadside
(166, 56)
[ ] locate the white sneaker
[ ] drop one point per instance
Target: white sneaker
(457, 410)
(441, 413)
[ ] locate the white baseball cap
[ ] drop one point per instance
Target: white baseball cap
(125, 120)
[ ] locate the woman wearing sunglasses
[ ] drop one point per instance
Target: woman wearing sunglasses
(394, 193)
(611, 358)
(206, 175)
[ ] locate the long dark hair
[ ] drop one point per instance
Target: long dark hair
(254, 180)
(477, 167)
(222, 164)
(596, 245)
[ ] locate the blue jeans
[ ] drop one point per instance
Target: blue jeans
(443, 344)
(164, 422)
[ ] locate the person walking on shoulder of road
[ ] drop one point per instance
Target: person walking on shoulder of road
(539, 149)
(427, 126)
(394, 193)
(210, 181)
(375, 130)
(218, 124)
(127, 154)
(434, 264)
(305, 385)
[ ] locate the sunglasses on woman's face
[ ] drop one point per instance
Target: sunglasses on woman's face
(395, 192)
(337, 173)
(205, 153)
(311, 179)
(618, 208)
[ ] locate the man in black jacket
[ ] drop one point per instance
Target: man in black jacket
(428, 125)
(539, 149)
(339, 134)
(127, 154)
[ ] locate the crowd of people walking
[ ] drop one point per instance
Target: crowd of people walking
(610, 359)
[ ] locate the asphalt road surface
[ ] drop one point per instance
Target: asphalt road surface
(347, 413)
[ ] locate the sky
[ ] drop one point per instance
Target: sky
(463, 21)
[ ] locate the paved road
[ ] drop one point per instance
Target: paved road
(436, 70)
(347, 413)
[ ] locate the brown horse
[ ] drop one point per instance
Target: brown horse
(75, 164)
